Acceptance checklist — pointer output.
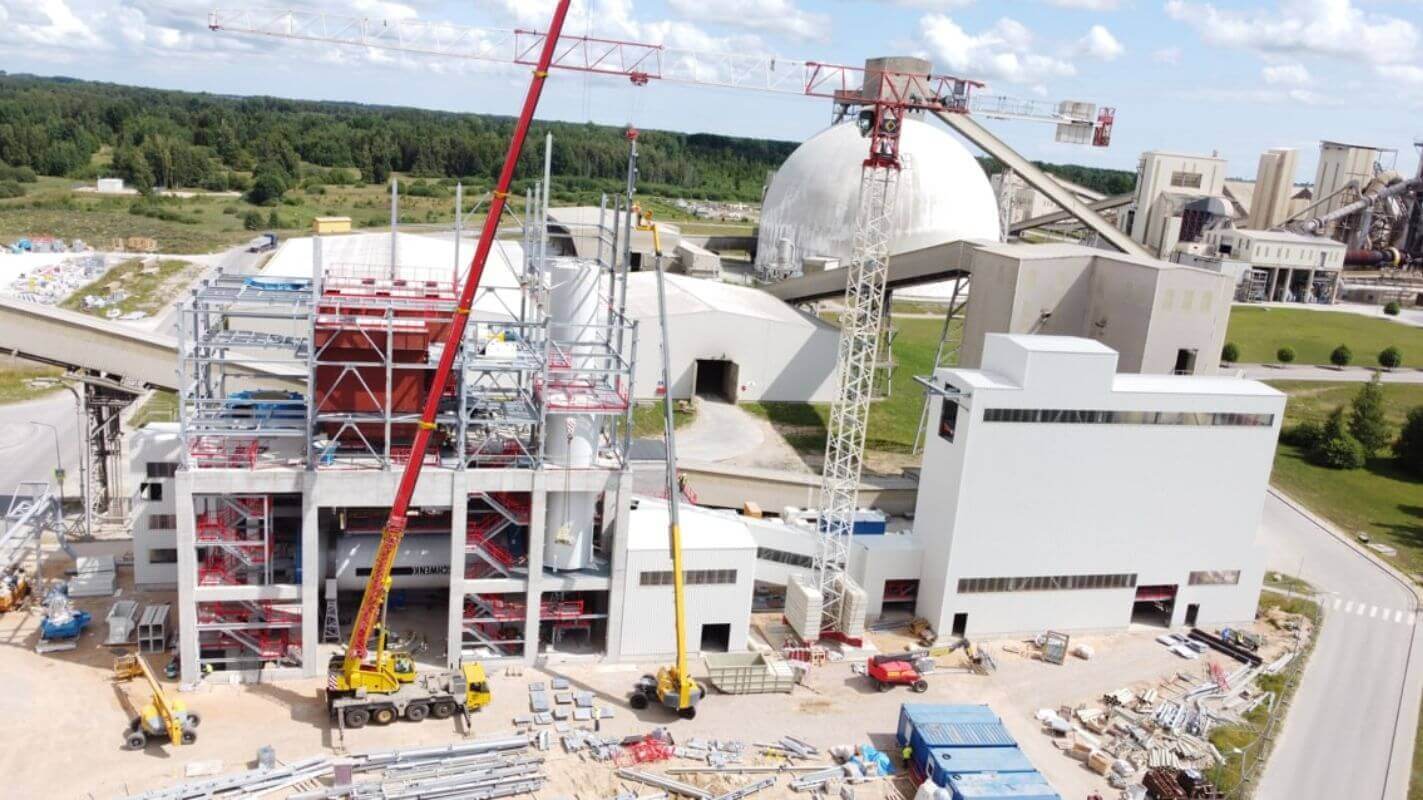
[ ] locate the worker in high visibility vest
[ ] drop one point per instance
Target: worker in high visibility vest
(905, 755)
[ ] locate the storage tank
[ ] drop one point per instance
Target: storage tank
(422, 562)
(571, 439)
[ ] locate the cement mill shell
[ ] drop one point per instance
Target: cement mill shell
(944, 195)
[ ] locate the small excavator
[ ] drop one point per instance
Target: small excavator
(162, 717)
(672, 686)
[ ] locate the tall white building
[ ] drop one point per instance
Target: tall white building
(1057, 493)
(1171, 204)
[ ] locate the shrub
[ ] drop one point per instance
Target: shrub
(252, 220)
(1341, 356)
(1305, 435)
(1336, 448)
(17, 174)
(1392, 308)
(1285, 355)
(1390, 357)
(1230, 353)
(274, 221)
(10, 189)
(1408, 449)
(1366, 417)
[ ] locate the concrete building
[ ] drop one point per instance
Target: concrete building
(809, 208)
(155, 451)
(1270, 203)
(1173, 201)
(730, 341)
(1343, 168)
(1159, 316)
(1037, 509)
(1273, 266)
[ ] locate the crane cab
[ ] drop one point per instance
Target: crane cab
(476, 687)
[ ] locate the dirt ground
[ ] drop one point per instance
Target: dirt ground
(71, 714)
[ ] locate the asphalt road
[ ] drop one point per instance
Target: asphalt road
(27, 450)
(1346, 734)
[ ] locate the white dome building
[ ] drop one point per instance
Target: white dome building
(944, 195)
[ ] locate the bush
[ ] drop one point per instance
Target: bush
(1336, 448)
(1230, 353)
(10, 189)
(274, 221)
(1390, 357)
(1305, 435)
(1285, 355)
(1341, 356)
(1392, 308)
(252, 221)
(17, 174)
(1366, 418)
(1408, 449)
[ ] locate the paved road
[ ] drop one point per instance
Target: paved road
(1265, 372)
(1344, 735)
(720, 432)
(27, 451)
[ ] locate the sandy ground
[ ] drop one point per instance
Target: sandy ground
(67, 705)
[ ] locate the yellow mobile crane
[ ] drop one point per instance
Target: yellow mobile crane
(161, 717)
(672, 686)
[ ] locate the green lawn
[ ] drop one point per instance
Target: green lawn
(149, 288)
(648, 418)
(1380, 499)
(894, 421)
(161, 406)
(15, 377)
(1260, 332)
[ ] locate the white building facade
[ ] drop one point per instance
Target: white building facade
(1059, 494)
(155, 452)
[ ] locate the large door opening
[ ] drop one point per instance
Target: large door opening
(716, 637)
(1192, 612)
(1154, 605)
(717, 378)
(960, 625)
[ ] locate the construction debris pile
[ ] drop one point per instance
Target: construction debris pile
(52, 283)
(1131, 734)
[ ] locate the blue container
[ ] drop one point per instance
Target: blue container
(869, 522)
(1002, 786)
(946, 762)
(913, 716)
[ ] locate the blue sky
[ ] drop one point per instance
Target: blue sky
(1186, 75)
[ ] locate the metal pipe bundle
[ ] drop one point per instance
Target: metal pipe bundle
(1368, 200)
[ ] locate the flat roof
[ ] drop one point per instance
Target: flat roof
(1135, 383)
(1285, 236)
(702, 529)
(955, 760)
(1039, 343)
(688, 295)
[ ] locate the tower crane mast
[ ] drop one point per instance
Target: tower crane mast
(879, 97)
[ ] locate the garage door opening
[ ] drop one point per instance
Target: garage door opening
(717, 378)
(716, 638)
(1153, 605)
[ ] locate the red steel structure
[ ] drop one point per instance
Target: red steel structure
(378, 587)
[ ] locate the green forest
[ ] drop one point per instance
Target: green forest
(264, 146)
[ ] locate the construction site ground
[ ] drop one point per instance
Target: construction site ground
(70, 713)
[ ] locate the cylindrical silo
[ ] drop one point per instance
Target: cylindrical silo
(571, 439)
(422, 562)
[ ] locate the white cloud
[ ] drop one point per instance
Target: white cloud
(1087, 5)
(1289, 74)
(1403, 73)
(1004, 51)
(1099, 43)
(1323, 27)
(1264, 97)
(47, 24)
(933, 5)
(771, 16)
(1167, 55)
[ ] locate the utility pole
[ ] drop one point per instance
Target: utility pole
(58, 466)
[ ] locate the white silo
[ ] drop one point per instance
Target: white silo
(571, 439)
(944, 196)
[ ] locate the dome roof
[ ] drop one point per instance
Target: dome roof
(943, 194)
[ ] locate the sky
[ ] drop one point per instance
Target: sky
(1198, 76)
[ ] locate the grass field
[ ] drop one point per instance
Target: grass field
(15, 377)
(161, 406)
(647, 418)
(894, 421)
(1261, 332)
(147, 289)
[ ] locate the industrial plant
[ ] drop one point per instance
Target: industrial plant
(515, 479)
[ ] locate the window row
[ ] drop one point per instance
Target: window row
(1102, 417)
(162, 522)
(693, 577)
(162, 469)
(782, 557)
(1046, 583)
(1215, 577)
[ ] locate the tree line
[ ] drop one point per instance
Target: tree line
(263, 146)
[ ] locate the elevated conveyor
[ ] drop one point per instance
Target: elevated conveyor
(940, 262)
(77, 341)
(1101, 204)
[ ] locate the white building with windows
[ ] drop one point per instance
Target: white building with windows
(1060, 494)
(154, 453)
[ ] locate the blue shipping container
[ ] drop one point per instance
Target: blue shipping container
(913, 715)
(1002, 786)
(944, 762)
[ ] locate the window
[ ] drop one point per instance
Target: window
(693, 577)
(1102, 417)
(782, 557)
(1190, 180)
(948, 419)
(1219, 577)
(162, 522)
(1047, 583)
(161, 469)
(151, 491)
(163, 555)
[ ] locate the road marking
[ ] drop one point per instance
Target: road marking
(1338, 601)
(1373, 611)
(1398, 616)
(1349, 609)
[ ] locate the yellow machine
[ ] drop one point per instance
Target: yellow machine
(14, 588)
(673, 686)
(161, 717)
